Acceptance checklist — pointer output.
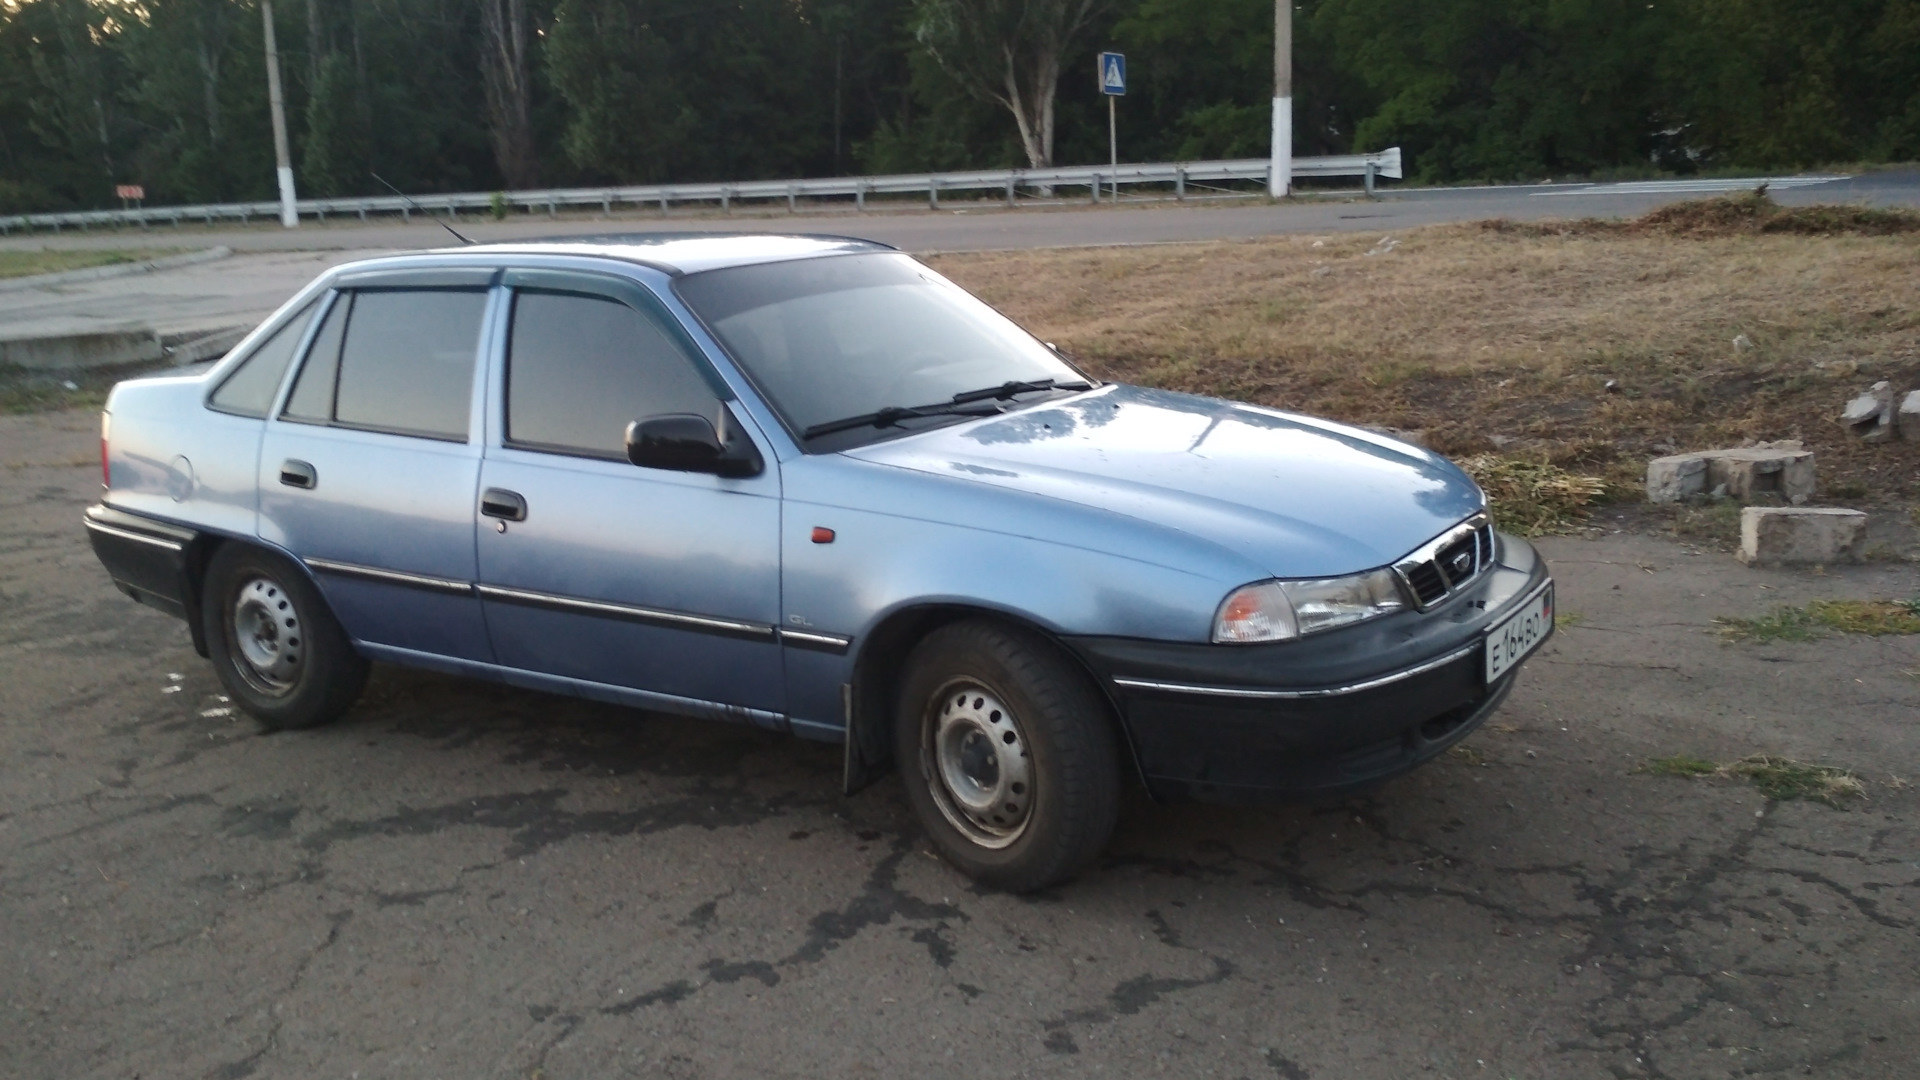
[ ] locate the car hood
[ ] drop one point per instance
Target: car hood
(1298, 496)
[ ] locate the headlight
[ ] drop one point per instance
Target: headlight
(1284, 610)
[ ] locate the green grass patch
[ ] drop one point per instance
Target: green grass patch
(1777, 778)
(1819, 618)
(50, 261)
(24, 391)
(1717, 521)
(1533, 496)
(1784, 778)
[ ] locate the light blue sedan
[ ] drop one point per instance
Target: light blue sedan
(807, 483)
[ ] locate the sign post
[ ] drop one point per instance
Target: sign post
(129, 193)
(1113, 83)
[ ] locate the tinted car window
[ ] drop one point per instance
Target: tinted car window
(249, 390)
(580, 368)
(406, 365)
(851, 334)
(312, 397)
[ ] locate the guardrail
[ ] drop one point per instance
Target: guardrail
(1014, 183)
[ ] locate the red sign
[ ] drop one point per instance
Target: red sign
(129, 191)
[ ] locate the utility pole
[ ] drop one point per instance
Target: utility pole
(1280, 178)
(289, 214)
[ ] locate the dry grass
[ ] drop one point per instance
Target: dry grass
(1533, 497)
(1747, 213)
(1506, 338)
(1775, 777)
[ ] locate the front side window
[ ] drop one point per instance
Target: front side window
(831, 338)
(249, 389)
(394, 360)
(581, 368)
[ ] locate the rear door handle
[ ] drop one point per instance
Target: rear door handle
(503, 504)
(298, 474)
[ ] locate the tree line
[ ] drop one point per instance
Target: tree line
(464, 95)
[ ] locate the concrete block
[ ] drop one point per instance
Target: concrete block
(1767, 469)
(1780, 536)
(67, 352)
(1908, 419)
(1784, 469)
(1870, 416)
(1673, 479)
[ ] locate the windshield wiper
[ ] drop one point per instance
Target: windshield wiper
(1006, 390)
(893, 414)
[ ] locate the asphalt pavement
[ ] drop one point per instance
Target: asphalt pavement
(272, 263)
(988, 225)
(462, 880)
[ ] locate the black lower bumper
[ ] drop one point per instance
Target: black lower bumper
(1316, 717)
(151, 561)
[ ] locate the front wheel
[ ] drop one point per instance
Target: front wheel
(1008, 754)
(277, 649)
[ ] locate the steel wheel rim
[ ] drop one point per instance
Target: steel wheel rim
(976, 762)
(265, 630)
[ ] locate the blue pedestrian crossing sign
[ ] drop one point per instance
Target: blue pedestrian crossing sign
(1113, 74)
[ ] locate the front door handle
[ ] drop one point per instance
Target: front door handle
(298, 474)
(503, 504)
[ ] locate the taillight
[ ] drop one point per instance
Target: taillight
(106, 429)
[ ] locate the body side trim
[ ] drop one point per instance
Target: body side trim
(676, 619)
(831, 643)
(129, 534)
(597, 691)
(390, 577)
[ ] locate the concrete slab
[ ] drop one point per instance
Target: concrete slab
(67, 352)
(185, 302)
(1784, 469)
(1780, 536)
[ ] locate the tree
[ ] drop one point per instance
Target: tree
(507, 66)
(1008, 52)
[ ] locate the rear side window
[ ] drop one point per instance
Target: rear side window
(394, 360)
(581, 368)
(249, 390)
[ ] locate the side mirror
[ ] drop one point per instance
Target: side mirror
(685, 442)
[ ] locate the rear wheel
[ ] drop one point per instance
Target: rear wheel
(1008, 754)
(277, 649)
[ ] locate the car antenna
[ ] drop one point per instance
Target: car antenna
(422, 209)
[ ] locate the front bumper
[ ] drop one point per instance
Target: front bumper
(1319, 716)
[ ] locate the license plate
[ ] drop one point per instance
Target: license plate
(1511, 641)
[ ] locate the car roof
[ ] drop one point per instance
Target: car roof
(685, 252)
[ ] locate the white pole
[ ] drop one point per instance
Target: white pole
(283, 161)
(1280, 178)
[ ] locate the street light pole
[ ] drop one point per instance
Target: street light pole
(1280, 177)
(283, 161)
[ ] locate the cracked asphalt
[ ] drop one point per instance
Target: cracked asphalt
(461, 880)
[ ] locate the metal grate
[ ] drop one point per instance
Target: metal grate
(1449, 562)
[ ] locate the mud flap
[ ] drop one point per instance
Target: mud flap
(867, 752)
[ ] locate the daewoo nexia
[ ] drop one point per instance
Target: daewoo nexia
(808, 483)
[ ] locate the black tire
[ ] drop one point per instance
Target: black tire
(276, 647)
(973, 694)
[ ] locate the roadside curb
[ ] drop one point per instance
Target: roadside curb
(95, 273)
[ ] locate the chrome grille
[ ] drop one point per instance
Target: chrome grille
(1449, 562)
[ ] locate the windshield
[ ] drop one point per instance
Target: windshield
(849, 335)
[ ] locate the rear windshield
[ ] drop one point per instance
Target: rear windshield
(830, 338)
